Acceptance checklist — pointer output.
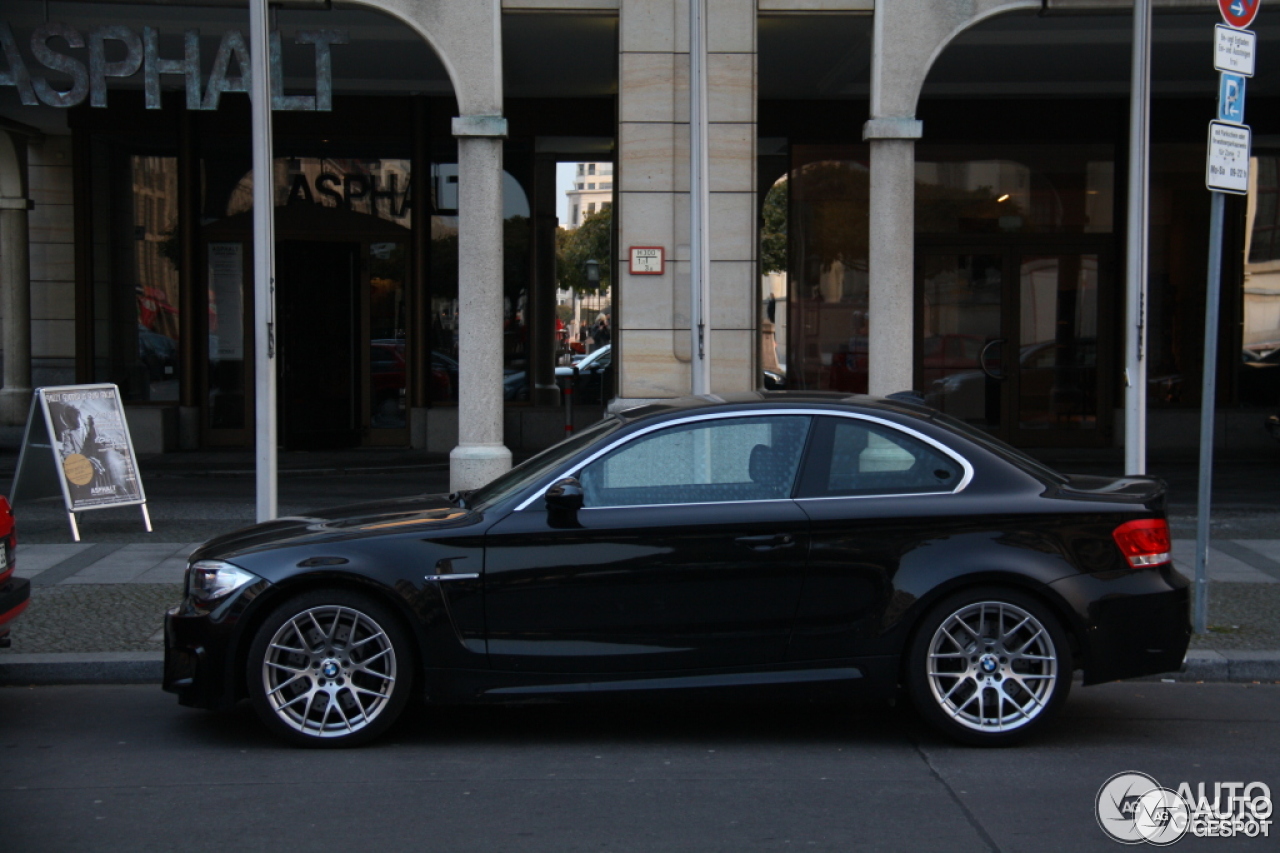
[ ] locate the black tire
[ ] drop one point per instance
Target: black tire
(330, 668)
(1001, 666)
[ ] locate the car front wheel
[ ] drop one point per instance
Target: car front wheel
(989, 666)
(330, 668)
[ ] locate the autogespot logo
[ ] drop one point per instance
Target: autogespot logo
(1132, 808)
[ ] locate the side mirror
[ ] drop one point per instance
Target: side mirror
(564, 496)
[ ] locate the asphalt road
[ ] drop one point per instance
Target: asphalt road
(125, 768)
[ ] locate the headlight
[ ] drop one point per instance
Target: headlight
(210, 580)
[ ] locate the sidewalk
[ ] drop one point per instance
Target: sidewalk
(97, 606)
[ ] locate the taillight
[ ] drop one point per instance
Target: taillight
(1144, 541)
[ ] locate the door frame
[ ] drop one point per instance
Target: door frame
(244, 437)
(1012, 248)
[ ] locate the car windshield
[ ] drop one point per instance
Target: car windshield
(537, 467)
(1005, 451)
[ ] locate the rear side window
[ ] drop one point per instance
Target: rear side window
(853, 457)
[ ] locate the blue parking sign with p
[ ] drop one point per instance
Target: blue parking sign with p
(1231, 98)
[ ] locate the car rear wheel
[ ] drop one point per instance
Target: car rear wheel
(330, 668)
(989, 666)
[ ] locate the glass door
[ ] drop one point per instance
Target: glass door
(966, 331)
(1056, 379)
(387, 371)
(1010, 341)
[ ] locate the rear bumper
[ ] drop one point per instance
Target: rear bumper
(1134, 623)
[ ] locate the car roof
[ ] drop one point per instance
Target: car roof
(834, 400)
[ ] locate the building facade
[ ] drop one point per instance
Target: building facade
(927, 195)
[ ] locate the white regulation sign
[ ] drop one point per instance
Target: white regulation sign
(1228, 168)
(1234, 50)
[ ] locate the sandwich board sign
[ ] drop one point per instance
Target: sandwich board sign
(77, 446)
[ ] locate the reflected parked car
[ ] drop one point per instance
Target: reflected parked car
(387, 374)
(159, 353)
(1259, 382)
(809, 543)
(1056, 382)
(15, 592)
(594, 382)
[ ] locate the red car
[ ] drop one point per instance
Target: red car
(14, 592)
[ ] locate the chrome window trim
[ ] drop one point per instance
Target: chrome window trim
(749, 413)
(691, 503)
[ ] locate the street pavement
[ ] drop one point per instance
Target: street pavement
(97, 605)
(123, 768)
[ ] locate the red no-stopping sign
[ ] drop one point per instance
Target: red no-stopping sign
(1239, 13)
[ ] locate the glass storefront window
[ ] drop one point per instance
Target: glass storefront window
(1028, 189)
(374, 187)
(136, 253)
(961, 190)
(827, 238)
(157, 253)
(226, 280)
(1260, 355)
(517, 232)
(388, 327)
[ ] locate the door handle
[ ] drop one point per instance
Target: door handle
(982, 360)
(768, 542)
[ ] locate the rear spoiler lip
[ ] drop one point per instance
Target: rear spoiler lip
(1151, 492)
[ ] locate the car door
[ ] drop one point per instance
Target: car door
(878, 496)
(688, 553)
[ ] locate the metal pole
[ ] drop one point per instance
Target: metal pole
(1208, 397)
(264, 264)
(1135, 362)
(699, 198)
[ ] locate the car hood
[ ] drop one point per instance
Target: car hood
(404, 515)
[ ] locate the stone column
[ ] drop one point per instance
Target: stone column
(891, 302)
(480, 455)
(15, 280)
(652, 343)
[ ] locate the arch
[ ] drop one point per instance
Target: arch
(15, 273)
(13, 164)
(473, 32)
(918, 31)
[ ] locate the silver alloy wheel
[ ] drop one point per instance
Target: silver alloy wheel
(329, 671)
(992, 666)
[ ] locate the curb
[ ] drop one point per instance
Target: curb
(1246, 667)
(84, 668)
(1240, 667)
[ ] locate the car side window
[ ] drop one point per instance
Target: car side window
(857, 457)
(709, 461)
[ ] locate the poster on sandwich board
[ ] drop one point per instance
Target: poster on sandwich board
(77, 445)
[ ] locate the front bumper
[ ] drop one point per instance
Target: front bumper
(15, 595)
(1134, 622)
(201, 650)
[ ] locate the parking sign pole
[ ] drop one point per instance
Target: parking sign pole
(1208, 394)
(1226, 171)
(264, 265)
(1135, 341)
